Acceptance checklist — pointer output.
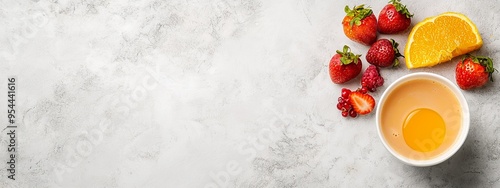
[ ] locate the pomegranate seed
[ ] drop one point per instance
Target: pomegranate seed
(340, 100)
(345, 93)
(344, 113)
(346, 105)
(364, 90)
(352, 113)
(339, 106)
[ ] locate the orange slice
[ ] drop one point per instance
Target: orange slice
(438, 39)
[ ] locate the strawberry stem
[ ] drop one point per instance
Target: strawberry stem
(486, 62)
(396, 53)
(401, 8)
(357, 13)
(347, 56)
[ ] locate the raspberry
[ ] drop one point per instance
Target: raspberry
(371, 78)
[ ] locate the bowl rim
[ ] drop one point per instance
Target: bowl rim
(463, 131)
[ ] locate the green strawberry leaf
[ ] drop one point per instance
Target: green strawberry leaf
(484, 61)
(396, 52)
(347, 57)
(401, 8)
(358, 13)
(348, 11)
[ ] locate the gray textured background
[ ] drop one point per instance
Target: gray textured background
(213, 94)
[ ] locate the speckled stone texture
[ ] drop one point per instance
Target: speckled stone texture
(213, 94)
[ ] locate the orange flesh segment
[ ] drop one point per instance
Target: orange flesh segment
(439, 39)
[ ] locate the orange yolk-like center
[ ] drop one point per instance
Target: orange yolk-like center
(424, 130)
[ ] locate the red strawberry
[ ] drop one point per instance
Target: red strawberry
(474, 71)
(394, 18)
(361, 103)
(360, 25)
(344, 66)
(384, 53)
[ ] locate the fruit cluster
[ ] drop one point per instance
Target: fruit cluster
(361, 25)
(352, 103)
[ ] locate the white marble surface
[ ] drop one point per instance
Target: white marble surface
(213, 94)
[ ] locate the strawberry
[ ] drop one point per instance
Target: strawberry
(361, 103)
(384, 53)
(394, 18)
(474, 71)
(344, 66)
(360, 25)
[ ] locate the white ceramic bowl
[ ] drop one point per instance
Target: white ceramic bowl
(462, 135)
